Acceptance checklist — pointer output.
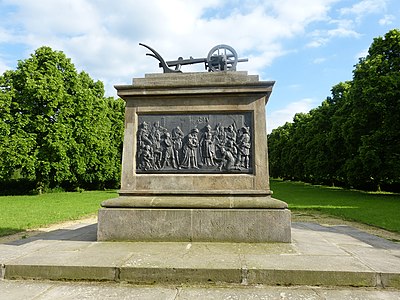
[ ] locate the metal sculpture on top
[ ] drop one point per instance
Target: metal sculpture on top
(219, 58)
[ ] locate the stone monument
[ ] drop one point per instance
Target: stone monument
(195, 165)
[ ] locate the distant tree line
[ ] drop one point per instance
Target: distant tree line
(353, 138)
(57, 129)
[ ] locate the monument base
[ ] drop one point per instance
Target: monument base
(194, 225)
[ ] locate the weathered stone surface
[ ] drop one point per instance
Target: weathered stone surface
(194, 201)
(242, 225)
(318, 255)
(212, 225)
(233, 93)
(49, 290)
(54, 272)
(225, 200)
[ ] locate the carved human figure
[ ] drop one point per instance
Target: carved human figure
(168, 152)
(230, 134)
(147, 159)
(244, 147)
(158, 129)
(156, 134)
(207, 147)
(190, 160)
(227, 160)
(231, 147)
(177, 136)
(144, 135)
(220, 135)
(144, 144)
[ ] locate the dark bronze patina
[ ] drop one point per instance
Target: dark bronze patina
(195, 143)
(219, 58)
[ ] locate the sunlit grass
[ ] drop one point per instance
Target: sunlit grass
(18, 213)
(377, 209)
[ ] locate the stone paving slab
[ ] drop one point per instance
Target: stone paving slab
(318, 255)
(47, 290)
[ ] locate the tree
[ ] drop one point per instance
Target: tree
(278, 151)
(353, 138)
(58, 125)
(374, 106)
(335, 140)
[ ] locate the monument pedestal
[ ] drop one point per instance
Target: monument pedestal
(195, 162)
(194, 225)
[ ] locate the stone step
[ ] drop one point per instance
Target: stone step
(318, 255)
(193, 275)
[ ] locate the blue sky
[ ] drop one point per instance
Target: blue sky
(306, 46)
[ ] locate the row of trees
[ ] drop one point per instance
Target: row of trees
(353, 138)
(56, 126)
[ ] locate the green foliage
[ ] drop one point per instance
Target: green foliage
(25, 212)
(353, 137)
(58, 127)
(377, 209)
(374, 107)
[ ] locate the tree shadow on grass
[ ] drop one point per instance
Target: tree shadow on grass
(5, 231)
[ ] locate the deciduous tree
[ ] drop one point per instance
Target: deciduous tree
(353, 138)
(58, 128)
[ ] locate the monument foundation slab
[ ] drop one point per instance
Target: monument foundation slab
(194, 225)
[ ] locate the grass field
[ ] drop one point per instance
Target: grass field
(377, 209)
(18, 213)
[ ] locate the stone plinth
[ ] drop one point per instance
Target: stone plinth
(195, 163)
(194, 225)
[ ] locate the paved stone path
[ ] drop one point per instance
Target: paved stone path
(46, 290)
(339, 256)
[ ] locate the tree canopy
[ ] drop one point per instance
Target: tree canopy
(353, 138)
(57, 127)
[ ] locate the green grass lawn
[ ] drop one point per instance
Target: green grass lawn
(377, 209)
(18, 213)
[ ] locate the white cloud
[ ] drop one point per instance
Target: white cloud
(3, 66)
(343, 29)
(365, 7)
(319, 60)
(346, 23)
(387, 20)
(280, 117)
(362, 53)
(102, 37)
(317, 42)
(47, 17)
(5, 35)
(301, 12)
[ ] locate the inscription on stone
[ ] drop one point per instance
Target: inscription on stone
(195, 143)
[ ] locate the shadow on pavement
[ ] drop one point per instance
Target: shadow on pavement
(86, 233)
(370, 239)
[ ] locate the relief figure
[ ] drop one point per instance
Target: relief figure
(177, 137)
(222, 148)
(168, 152)
(207, 147)
(190, 159)
(244, 147)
